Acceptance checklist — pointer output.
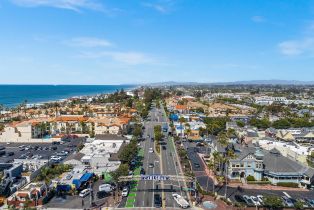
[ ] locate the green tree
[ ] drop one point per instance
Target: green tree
(299, 204)
(273, 202)
(240, 123)
(122, 170)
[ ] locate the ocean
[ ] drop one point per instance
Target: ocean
(13, 95)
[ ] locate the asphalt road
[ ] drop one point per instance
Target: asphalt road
(164, 164)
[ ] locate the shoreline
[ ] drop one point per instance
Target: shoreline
(31, 104)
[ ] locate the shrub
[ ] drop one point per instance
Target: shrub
(250, 178)
(288, 184)
(258, 182)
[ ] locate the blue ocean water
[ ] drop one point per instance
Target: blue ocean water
(12, 95)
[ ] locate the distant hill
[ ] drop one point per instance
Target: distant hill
(249, 82)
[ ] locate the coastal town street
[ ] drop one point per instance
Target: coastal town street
(164, 164)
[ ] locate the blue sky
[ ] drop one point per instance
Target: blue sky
(139, 41)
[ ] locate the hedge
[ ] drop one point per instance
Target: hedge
(250, 178)
(258, 182)
(288, 184)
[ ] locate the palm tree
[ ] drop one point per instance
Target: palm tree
(56, 106)
(24, 104)
(1, 109)
(223, 139)
(72, 105)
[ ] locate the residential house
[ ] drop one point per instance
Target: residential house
(32, 195)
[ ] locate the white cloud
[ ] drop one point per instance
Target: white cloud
(88, 42)
(130, 58)
(258, 19)
(297, 47)
(300, 46)
(75, 5)
(157, 7)
(162, 6)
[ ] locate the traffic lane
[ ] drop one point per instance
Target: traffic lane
(171, 169)
(168, 169)
(195, 160)
(149, 186)
(140, 201)
(148, 158)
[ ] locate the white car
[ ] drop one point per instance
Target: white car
(150, 150)
(105, 187)
(260, 198)
(125, 192)
(255, 201)
(84, 193)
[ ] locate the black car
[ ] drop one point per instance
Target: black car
(102, 194)
(2, 147)
(239, 198)
(157, 201)
(164, 147)
(142, 171)
(10, 153)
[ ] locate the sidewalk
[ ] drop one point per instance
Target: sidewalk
(209, 172)
(266, 187)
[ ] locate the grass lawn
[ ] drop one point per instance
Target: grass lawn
(129, 205)
(131, 195)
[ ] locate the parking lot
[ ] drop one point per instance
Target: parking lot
(77, 202)
(36, 150)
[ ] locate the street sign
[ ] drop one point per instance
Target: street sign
(154, 177)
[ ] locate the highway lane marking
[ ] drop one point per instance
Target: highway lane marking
(162, 182)
(184, 183)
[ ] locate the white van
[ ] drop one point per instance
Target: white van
(84, 193)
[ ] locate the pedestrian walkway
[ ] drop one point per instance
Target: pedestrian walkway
(266, 187)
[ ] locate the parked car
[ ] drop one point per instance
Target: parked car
(105, 187)
(151, 165)
(239, 198)
(69, 176)
(150, 150)
(142, 171)
(2, 148)
(248, 200)
(84, 193)
(125, 192)
(305, 203)
(287, 201)
(310, 202)
(102, 194)
(255, 200)
(10, 153)
(260, 199)
(157, 201)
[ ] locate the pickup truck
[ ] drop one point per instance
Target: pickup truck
(181, 201)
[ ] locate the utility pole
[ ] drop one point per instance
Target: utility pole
(91, 193)
(226, 180)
